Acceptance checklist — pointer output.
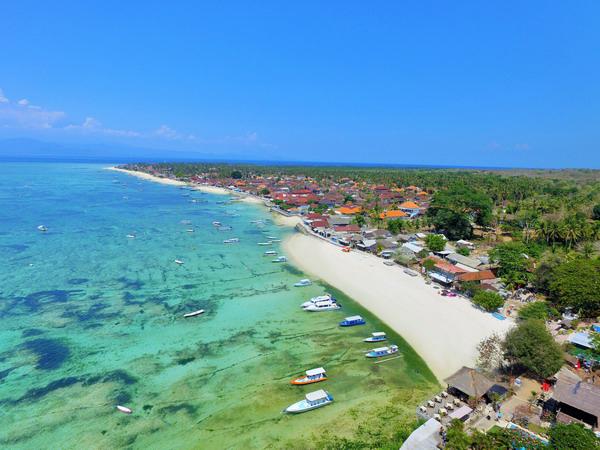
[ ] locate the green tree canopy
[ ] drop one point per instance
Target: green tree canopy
(456, 437)
(464, 199)
(573, 437)
(488, 300)
(531, 346)
(454, 225)
(596, 212)
(236, 174)
(513, 262)
(576, 284)
(536, 310)
(435, 242)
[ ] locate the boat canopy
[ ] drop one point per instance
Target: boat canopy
(380, 349)
(378, 334)
(313, 372)
(353, 318)
(317, 395)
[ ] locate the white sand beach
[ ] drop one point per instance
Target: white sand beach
(444, 331)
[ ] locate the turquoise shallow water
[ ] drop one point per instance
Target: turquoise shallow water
(90, 319)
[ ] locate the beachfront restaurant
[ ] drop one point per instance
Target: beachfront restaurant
(468, 383)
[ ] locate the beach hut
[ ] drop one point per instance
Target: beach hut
(469, 383)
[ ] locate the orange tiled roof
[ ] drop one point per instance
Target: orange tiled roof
(409, 205)
(394, 213)
(349, 210)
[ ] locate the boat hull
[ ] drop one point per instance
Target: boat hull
(303, 406)
(302, 381)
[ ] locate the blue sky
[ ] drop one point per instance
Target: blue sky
(507, 83)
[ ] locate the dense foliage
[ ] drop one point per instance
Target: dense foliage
(488, 300)
(536, 310)
(576, 284)
(435, 242)
(573, 437)
(514, 263)
(530, 346)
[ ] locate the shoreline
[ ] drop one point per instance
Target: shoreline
(443, 331)
(289, 221)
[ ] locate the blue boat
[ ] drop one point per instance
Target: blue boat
(382, 351)
(352, 321)
(378, 336)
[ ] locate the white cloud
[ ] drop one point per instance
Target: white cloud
(3, 99)
(92, 125)
(23, 102)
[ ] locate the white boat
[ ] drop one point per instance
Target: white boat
(124, 409)
(303, 282)
(178, 261)
(265, 243)
(382, 351)
(280, 259)
(131, 236)
(312, 376)
(312, 400)
(216, 223)
(327, 305)
(194, 314)
(378, 336)
(225, 228)
(318, 298)
(271, 238)
(270, 253)
(275, 240)
(231, 241)
(190, 230)
(42, 228)
(256, 222)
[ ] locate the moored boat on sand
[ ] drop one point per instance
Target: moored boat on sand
(378, 336)
(280, 259)
(312, 376)
(312, 400)
(327, 305)
(382, 351)
(318, 298)
(265, 243)
(270, 253)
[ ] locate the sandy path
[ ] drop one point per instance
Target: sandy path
(444, 331)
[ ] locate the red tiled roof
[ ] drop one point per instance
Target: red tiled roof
(477, 276)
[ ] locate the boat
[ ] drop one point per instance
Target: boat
(124, 409)
(131, 236)
(280, 259)
(270, 253)
(327, 305)
(265, 243)
(312, 400)
(42, 228)
(225, 228)
(275, 240)
(216, 223)
(312, 376)
(194, 313)
(382, 351)
(256, 222)
(352, 321)
(303, 282)
(190, 230)
(271, 237)
(378, 336)
(178, 261)
(411, 272)
(231, 241)
(318, 298)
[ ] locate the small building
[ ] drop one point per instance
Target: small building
(581, 340)
(469, 383)
(482, 276)
(470, 264)
(577, 400)
(426, 437)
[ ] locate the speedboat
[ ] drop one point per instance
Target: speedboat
(312, 400)
(318, 298)
(303, 282)
(328, 305)
(194, 313)
(231, 241)
(265, 243)
(352, 321)
(312, 376)
(178, 261)
(124, 409)
(270, 253)
(280, 259)
(216, 223)
(271, 237)
(275, 240)
(190, 230)
(378, 336)
(131, 236)
(382, 351)
(42, 228)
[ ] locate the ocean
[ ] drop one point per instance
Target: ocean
(91, 318)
